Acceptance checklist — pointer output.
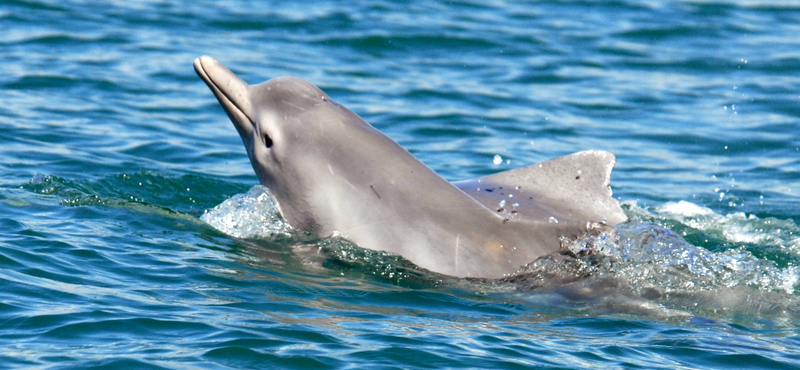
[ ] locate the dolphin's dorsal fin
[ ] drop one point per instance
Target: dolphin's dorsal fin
(574, 187)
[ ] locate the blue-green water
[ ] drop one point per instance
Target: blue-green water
(112, 151)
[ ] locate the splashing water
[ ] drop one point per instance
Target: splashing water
(736, 228)
(647, 260)
(254, 214)
(652, 257)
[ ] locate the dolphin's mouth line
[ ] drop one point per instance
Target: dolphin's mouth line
(201, 71)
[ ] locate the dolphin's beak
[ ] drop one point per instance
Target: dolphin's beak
(233, 93)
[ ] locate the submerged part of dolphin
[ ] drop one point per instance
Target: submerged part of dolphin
(335, 175)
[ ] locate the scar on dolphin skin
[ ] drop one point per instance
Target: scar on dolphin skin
(418, 225)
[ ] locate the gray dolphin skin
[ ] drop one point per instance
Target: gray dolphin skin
(333, 174)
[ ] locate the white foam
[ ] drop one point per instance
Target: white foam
(734, 228)
(684, 208)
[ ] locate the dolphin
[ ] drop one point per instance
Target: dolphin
(333, 174)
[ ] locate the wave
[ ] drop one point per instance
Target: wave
(174, 194)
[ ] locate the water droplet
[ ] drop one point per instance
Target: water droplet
(497, 159)
(552, 220)
(502, 203)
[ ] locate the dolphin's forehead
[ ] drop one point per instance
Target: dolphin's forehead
(287, 100)
(289, 89)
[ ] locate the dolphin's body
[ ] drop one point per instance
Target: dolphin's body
(334, 174)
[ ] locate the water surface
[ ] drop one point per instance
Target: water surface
(113, 150)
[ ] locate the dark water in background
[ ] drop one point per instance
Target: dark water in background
(112, 150)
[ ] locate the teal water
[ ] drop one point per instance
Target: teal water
(134, 235)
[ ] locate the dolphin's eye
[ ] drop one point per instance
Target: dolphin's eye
(267, 141)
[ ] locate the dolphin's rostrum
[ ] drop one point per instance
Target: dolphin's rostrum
(332, 173)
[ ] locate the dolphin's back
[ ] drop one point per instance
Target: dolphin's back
(569, 188)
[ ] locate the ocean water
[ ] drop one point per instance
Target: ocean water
(134, 234)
